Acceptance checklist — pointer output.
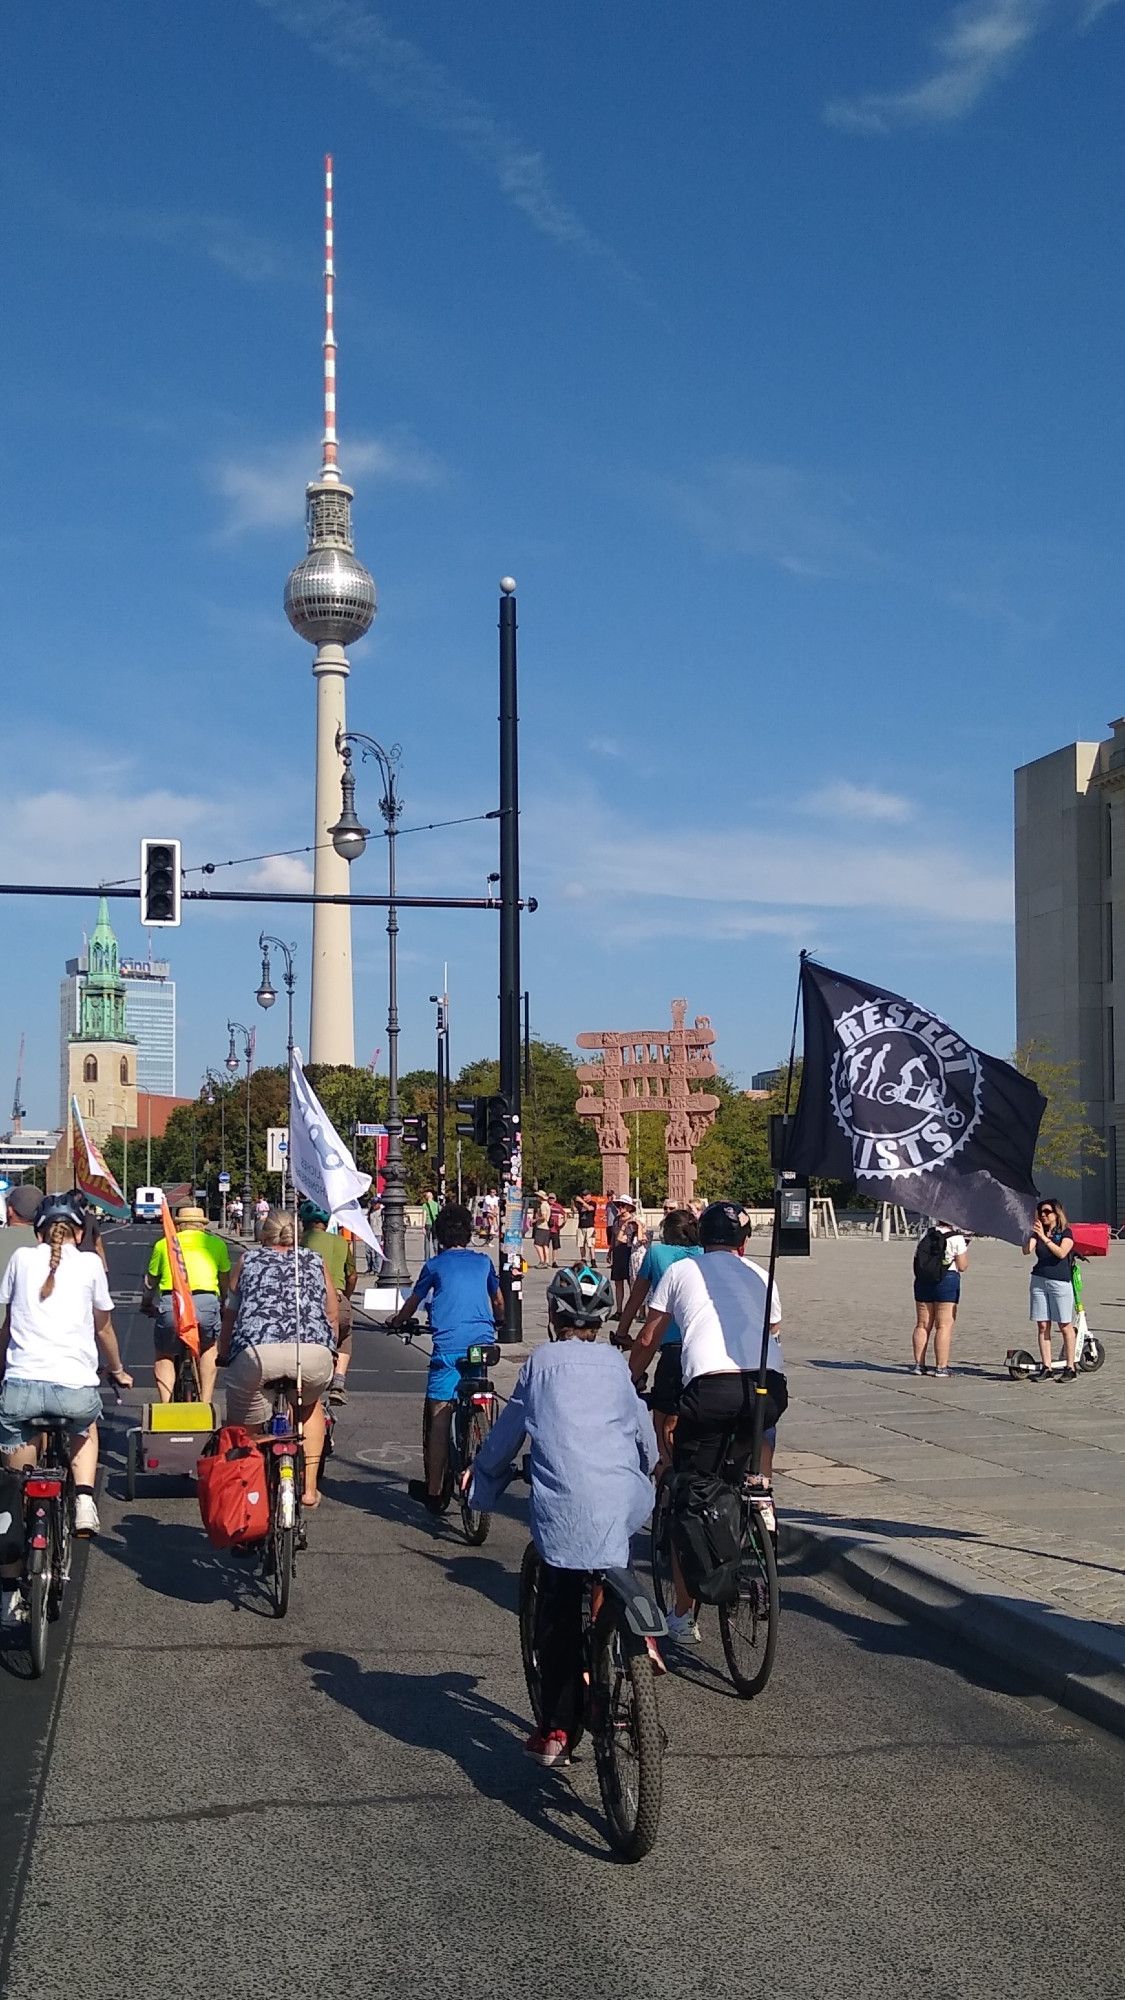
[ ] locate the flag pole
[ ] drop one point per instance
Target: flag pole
(760, 1386)
(296, 1257)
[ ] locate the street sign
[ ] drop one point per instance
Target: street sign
(224, 1183)
(277, 1148)
(368, 1131)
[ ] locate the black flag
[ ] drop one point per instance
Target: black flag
(893, 1099)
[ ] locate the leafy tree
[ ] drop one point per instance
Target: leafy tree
(1068, 1143)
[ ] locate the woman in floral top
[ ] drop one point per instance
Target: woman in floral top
(259, 1337)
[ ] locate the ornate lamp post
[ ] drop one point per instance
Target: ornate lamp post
(267, 994)
(233, 1028)
(213, 1085)
(349, 838)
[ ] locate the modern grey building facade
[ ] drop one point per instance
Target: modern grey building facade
(1070, 922)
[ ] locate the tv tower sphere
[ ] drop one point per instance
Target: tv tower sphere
(330, 596)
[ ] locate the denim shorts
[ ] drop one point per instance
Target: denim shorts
(26, 1408)
(1052, 1299)
(165, 1338)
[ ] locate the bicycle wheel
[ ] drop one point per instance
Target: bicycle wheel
(628, 1738)
(749, 1625)
(529, 1601)
(38, 1587)
(282, 1543)
(62, 1534)
(660, 1554)
(475, 1522)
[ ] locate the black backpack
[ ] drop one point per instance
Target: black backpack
(707, 1536)
(929, 1258)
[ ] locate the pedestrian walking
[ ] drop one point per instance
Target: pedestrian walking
(541, 1227)
(939, 1260)
(430, 1208)
(261, 1210)
(1052, 1286)
(586, 1213)
(234, 1214)
(625, 1237)
(555, 1219)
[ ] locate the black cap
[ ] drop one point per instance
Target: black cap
(721, 1223)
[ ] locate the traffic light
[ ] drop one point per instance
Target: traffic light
(502, 1130)
(476, 1109)
(416, 1131)
(160, 884)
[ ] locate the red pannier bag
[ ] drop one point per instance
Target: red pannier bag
(1091, 1239)
(233, 1494)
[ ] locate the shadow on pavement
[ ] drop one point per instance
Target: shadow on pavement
(489, 1578)
(172, 1558)
(874, 1632)
(922, 1531)
(444, 1712)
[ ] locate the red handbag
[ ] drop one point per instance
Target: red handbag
(233, 1495)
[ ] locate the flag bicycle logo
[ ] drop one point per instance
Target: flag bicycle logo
(905, 1089)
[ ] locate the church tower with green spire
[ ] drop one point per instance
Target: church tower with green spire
(102, 1053)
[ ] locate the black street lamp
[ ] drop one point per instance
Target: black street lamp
(214, 1085)
(233, 1028)
(267, 994)
(349, 838)
(441, 1002)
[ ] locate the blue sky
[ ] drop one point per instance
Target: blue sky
(775, 350)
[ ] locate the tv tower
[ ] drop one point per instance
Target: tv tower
(330, 601)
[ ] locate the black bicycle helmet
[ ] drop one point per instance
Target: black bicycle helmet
(721, 1223)
(59, 1208)
(579, 1296)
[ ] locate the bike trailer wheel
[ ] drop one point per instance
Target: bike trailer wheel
(748, 1626)
(132, 1463)
(628, 1738)
(1093, 1355)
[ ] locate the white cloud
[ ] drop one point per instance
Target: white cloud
(224, 239)
(975, 47)
(605, 746)
(399, 73)
(754, 872)
(287, 872)
(800, 521)
(843, 800)
(265, 488)
(94, 834)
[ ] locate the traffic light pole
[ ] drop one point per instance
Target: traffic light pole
(511, 1225)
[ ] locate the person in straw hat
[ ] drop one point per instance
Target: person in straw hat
(208, 1267)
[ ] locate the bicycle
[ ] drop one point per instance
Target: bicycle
(49, 1533)
(748, 1624)
(473, 1417)
(283, 1453)
(474, 1413)
(617, 1695)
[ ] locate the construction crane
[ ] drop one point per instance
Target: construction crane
(19, 1109)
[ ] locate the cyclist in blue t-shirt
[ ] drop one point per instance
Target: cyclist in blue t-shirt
(680, 1231)
(465, 1306)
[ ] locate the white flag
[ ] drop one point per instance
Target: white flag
(320, 1163)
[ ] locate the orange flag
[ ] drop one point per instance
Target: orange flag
(184, 1316)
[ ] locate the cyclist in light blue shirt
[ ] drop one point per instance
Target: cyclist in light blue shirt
(465, 1305)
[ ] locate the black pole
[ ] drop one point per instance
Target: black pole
(511, 1261)
(527, 1042)
(394, 1179)
(439, 1162)
(760, 1393)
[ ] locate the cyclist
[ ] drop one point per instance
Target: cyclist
(719, 1303)
(54, 1317)
(263, 1319)
(337, 1254)
(593, 1449)
(465, 1304)
(208, 1268)
(680, 1234)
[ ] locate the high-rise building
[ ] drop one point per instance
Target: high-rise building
(150, 1018)
(1070, 907)
(330, 601)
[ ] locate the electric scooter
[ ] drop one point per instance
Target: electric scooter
(1089, 1353)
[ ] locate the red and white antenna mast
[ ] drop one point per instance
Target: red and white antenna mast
(330, 469)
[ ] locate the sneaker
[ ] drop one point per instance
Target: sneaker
(13, 1610)
(86, 1520)
(942, 1374)
(918, 1369)
(548, 1749)
(682, 1629)
(337, 1392)
(1068, 1375)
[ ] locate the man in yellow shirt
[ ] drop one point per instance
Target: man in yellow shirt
(208, 1267)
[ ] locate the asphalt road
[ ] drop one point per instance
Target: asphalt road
(202, 1799)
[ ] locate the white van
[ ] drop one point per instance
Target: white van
(146, 1204)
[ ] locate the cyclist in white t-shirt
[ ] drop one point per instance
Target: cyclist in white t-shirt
(54, 1317)
(719, 1303)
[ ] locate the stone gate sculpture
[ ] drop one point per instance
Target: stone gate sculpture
(650, 1069)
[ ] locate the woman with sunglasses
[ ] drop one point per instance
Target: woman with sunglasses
(1052, 1286)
